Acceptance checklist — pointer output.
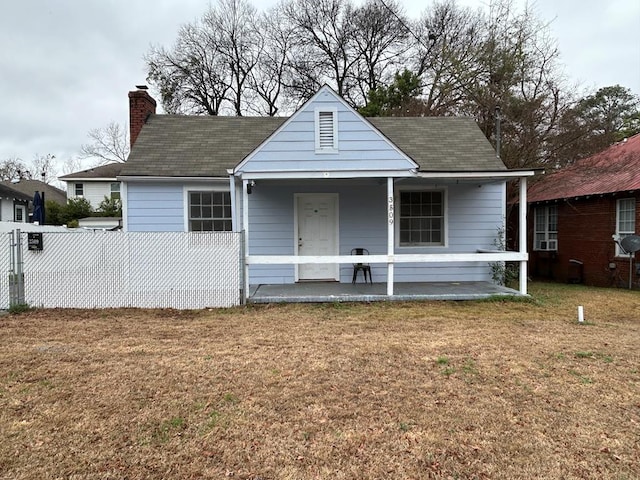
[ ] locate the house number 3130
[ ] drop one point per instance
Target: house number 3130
(390, 210)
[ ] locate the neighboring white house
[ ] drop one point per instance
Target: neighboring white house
(14, 205)
(23, 191)
(94, 184)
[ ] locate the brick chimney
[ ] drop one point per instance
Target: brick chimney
(141, 106)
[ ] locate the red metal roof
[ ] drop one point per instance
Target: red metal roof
(616, 169)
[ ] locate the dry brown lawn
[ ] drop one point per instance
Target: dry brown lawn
(496, 390)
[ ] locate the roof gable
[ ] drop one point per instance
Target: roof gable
(615, 169)
(326, 135)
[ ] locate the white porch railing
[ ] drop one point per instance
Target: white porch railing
(391, 260)
(396, 258)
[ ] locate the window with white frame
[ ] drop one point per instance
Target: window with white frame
(326, 130)
(209, 211)
(421, 218)
(79, 189)
(20, 214)
(546, 228)
(115, 191)
(625, 221)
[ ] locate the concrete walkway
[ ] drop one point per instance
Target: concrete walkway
(316, 292)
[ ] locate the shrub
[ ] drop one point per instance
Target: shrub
(75, 209)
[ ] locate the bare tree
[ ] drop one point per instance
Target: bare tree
(474, 61)
(380, 42)
(468, 63)
(324, 46)
(12, 169)
(447, 49)
(192, 77)
(70, 165)
(108, 144)
(520, 74)
(231, 30)
(235, 61)
(44, 168)
(267, 78)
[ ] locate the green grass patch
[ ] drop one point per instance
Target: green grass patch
(18, 308)
(584, 355)
(168, 429)
(231, 398)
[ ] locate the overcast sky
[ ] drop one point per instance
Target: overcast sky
(67, 65)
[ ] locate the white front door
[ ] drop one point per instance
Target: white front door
(317, 218)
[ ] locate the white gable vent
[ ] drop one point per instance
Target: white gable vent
(326, 131)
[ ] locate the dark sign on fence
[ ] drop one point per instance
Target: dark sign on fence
(35, 240)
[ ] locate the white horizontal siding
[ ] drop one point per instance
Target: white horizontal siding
(94, 192)
(6, 210)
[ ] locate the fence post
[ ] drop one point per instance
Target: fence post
(16, 273)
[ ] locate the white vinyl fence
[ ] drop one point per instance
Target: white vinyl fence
(127, 269)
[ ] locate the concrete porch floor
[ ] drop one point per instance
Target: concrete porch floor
(317, 292)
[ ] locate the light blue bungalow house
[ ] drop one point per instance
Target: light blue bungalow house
(426, 197)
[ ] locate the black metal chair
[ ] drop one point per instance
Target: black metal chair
(360, 266)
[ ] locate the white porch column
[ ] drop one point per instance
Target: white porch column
(390, 234)
(522, 226)
(245, 229)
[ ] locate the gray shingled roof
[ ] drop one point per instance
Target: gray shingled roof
(110, 170)
(194, 146)
(441, 143)
(8, 192)
(30, 187)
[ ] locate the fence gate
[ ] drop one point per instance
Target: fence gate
(124, 269)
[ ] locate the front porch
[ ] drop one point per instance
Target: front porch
(323, 292)
(275, 245)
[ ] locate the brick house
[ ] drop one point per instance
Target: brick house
(576, 213)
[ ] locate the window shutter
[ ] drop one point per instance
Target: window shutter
(326, 135)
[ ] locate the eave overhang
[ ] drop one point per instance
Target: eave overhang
(305, 174)
(586, 196)
(162, 179)
(485, 174)
(89, 179)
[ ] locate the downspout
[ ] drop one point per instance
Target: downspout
(390, 235)
(124, 194)
(245, 230)
(233, 194)
(498, 119)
